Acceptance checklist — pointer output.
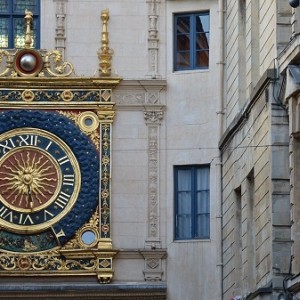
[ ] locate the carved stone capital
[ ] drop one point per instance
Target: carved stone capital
(153, 117)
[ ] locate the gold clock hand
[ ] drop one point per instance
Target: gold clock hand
(30, 197)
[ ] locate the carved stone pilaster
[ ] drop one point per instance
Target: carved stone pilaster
(153, 120)
(153, 40)
(153, 270)
(60, 30)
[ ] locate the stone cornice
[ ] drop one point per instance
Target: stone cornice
(136, 94)
(64, 289)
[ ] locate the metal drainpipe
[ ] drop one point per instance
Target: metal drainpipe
(220, 113)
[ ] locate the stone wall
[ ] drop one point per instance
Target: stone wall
(163, 118)
(246, 204)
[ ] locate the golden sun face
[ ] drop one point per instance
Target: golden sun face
(29, 179)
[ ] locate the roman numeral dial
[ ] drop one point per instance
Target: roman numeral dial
(39, 179)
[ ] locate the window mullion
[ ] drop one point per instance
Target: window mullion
(192, 41)
(193, 198)
(11, 32)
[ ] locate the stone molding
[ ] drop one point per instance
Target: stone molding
(153, 264)
(135, 94)
(83, 290)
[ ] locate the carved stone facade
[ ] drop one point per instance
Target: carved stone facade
(149, 121)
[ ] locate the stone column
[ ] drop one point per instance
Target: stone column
(60, 30)
(153, 119)
(153, 39)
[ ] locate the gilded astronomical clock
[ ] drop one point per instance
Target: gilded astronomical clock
(55, 170)
(49, 177)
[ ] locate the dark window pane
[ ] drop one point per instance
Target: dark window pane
(202, 230)
(3, 33)
(202, 23)
(202, 41)
(184, 217)
(203, 201)
(183, 25)
(183, 60)
(19, 33)
(34, 32)
(183, 42)
(202, 59)
(184, 227)
(4, 6)
(193, 202)
(21, 5)
(184, 204)
(191, 35)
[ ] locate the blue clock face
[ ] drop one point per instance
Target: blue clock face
(40, 179)
(49, 180)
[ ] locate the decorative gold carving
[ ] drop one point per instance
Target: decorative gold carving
(76, 257)
(76, 117)
(55, 66)
(6, 62)
(105, 192)
(105, 53)
(67, 95)
(88, 121)
(32, 63)
(29, 177)
(105, 95)
(106, 114)
(39, 264)
(104, 257)
(28, 35)
(27, 95)
(51, 64)
(76, 242)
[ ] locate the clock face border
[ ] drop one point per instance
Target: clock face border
(28, 156)
(85, 153)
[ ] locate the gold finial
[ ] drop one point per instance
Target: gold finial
(28, 18)
(105, 53)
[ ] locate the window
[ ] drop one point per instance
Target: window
(12, 22)
(191, 41)
(192, 205)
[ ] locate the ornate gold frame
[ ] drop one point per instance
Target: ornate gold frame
(53, 88)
